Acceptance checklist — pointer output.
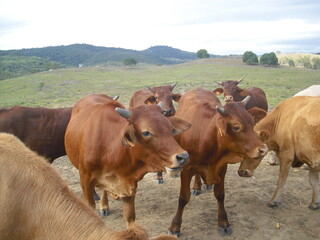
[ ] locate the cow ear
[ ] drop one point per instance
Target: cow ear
(257, 113)
(179, 125)
(176, 97)
(128, 136)
(222, 127)
(151, 100)
(218, 91)
(264, 135)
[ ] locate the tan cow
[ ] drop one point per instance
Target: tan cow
(292, 129)
(36, 204)
(113, 148)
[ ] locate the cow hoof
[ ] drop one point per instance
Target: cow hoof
(160, 181)
(174, 234)
(207, 187)
(314, 206)
(196, 192)
(273, 204)
(225, 231)
(103, 212)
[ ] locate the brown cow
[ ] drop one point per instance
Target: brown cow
(35, 203)
(155, 95)
(233, 93)
(219, 135)
(292, 129)
(114, 148)
(41, 129)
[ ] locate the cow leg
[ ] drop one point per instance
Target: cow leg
(128, 210)
(88, 190)
(197, 185)
(314, 181)
(159, 178)
(104, 203)
(223, 224)
(184, 198)
(283, 174)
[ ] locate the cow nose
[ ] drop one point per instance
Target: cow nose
(228, 98)
(244, 173)
(167, 112)
(182, 158)
(263, 150)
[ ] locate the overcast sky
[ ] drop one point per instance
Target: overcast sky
(219, 26)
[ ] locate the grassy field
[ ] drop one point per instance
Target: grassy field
(61, 88)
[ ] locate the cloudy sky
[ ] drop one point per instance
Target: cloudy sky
(219, 26)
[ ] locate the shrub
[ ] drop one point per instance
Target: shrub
(250, 58)
(269, 59)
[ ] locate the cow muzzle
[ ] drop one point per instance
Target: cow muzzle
(228, 98)
(245, 173)
(180, 160)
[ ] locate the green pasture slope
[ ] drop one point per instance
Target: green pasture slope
(63, 87)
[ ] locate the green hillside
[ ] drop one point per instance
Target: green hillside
(63, 87)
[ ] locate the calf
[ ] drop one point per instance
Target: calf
(37, 204)
(219, 135)
(113, 148)
(292, 129)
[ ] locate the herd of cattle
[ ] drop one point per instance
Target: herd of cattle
(114, 147)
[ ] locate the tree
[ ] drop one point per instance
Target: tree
(129, 61)
(250, 58)
(202, 53)
(269, 59)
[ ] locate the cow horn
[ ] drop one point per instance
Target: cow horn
(150, 88)
(123, 112)
(221, 110)
(116, 97)
(240, 81)
(161, 104)
(173, 85)
(219, 83)
(246, 100)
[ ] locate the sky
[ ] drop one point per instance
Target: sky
(220, 26)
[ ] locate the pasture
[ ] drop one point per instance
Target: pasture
(245, 199)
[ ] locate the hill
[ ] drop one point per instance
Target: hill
(306, 60)
(84, 55)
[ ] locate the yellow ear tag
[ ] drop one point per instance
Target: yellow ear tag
(220, 132)
(131, 144)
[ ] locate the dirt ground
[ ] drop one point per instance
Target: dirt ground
(245, 201)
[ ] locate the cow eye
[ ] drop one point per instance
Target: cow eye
(146, 134)
(236, 128)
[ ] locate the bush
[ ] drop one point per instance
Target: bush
(269, 59)
(291, 63)
(129, 61)
(250, 58)
(202, 53)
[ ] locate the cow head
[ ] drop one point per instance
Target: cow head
(235, 127)
(231, 91)
(163, 94)
(151, 136)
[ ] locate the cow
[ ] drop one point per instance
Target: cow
(113, 147)
(155, 95)
(292, 129)
(37, 204)
(219, 135)
(41, 129)
(232, 92)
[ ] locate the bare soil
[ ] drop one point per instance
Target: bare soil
(245, 201)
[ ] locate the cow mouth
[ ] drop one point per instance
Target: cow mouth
(173, 171)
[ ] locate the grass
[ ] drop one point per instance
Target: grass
(61, 88)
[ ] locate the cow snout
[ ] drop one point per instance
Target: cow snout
(245, 173)
(228, 98)
(263, 150)
(182, 158)
(167, 112)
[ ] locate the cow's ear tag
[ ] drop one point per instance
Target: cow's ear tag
(127, 143)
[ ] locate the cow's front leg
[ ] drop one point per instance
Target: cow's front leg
(223, 224)
(184, 198)
(88, 190)
(282, 178)
(314, 181)
(128, 210)
(197, 185)
(104, 203)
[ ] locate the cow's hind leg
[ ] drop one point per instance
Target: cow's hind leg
(104, 203)
(314, 181)
(128, 210)
(223, 224)
(88, 190)
(184, 198)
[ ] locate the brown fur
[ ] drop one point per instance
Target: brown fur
(36, 204)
